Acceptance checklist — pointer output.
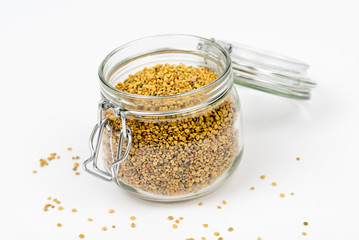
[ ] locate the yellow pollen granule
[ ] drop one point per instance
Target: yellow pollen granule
(305, 223)
(189, 238)
(216, 234)
(224, 202)
(181, 218)
(133, 225)
(298, 158)
(111, 211)
(77, 173)
(205, 225)
(49, 198)
(104, 228)
(262, 177)
(259, 238)
(200, 204)
(81, 236)
(74, 210)
(170, 218)
(219, 207)
(292, 194)
(69, 149)
(113, 226)
(61, 208)
(90, 219)
(282, 195)
(220, 238)
(252, 188)
(274, 184)
(177, 221)
(304, 233)
(203, 238)
(34, 171)
(230, 229)
(58, 157)
(59, 224)
(133, 218)
(174, 226)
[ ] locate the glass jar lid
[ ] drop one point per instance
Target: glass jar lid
(269, 72)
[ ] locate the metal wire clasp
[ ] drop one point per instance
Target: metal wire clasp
(125, 133)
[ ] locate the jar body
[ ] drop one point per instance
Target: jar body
(182, 146)
(180, 156)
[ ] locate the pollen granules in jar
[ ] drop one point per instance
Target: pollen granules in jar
(174, 156)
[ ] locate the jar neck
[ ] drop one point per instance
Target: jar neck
(172, 49)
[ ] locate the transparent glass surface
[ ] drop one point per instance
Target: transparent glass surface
(184, 145)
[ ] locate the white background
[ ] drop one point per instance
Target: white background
(49, 55)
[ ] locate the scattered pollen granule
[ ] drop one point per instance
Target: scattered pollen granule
(282, 195)
(216, 234)
(104, 228)
(56, 201)
(61, 208)
(133, 225)
(59, 224)
(52, 206)
(252, 188)
(113, 226)
(111, 211)
(170, 218)
(292, 194)
(43, 162)
(200, 204)
(174, 226)
(81, 236)
(230, 229)
(90, 219)
(75, 166)
(262, 177)
(304, 233)
(77, 173)
(58, 157)
(259, 238)
(77, 157)
(177, 221)
(220, 238)
(132, 217)
(274, 184)
(34, 171)
(73, 158)
(46, 208)
(189, 238)
(305, 223)
(205, 225)
(298, 158)
(181, 218)
(49, 198)
(74, 210)
(69, 149)
(203, 238)
(219, 207)
(224, 202)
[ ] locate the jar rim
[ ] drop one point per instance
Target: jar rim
(212, 42)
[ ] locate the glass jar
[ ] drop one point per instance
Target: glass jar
(182, 146)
